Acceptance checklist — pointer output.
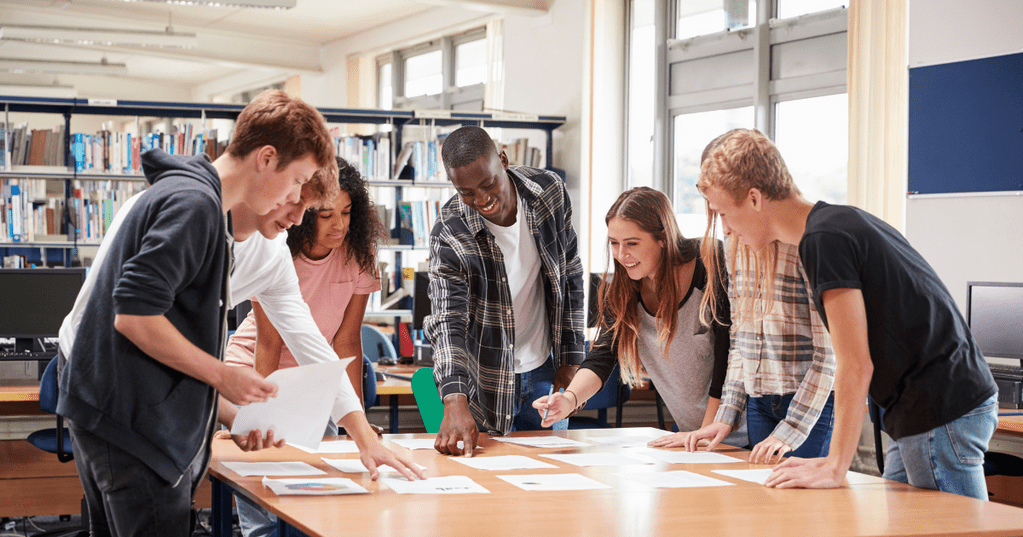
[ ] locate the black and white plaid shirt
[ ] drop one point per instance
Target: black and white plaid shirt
(472, 327)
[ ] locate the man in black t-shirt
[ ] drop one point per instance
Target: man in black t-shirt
(895, 329)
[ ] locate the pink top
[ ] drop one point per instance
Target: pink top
(327, 286)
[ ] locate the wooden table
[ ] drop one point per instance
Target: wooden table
(867, 506)
(394, 387)
(19, 401)
(1010, 423)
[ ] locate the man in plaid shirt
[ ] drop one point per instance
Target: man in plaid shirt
(506, 290)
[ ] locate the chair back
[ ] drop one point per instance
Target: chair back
(608, 396)
(369, 383)
(48, 390)
(431, 408)
(376, 345)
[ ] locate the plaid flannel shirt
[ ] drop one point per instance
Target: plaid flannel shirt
(789, 351)
(472, 326)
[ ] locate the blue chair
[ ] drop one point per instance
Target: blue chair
(376, 345)
(613, 394)
(369, 383)
(56, 440)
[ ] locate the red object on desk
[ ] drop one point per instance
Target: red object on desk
(405, 348)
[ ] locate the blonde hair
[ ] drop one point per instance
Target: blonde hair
(735, 162)
(618, 297)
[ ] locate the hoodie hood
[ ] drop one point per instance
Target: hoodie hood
(157, 164)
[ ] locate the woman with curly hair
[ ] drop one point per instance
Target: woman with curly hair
(334, 251)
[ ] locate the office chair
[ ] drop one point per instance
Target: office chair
(431, 408)
(613, 394)
(369, 383)
(376, 345)
(56, 440)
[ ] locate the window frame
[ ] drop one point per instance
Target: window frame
(451, 96)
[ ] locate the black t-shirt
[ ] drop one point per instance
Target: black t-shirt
(928, 370)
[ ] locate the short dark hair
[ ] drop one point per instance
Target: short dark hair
(465, 146)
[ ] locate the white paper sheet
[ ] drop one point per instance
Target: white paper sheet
(503, 462)
(544, 441)
(304, 400)
(416, 443)
(677, 479)
(246, 469)
(355, 466)
(331, 446)
(327, 486)
(553, 482)
(758, 475)
(639, 439)
(599, 459)
(684, 457)
(453, 484)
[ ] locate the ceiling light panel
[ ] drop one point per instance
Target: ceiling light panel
(261, 4)
(25, 65)
(109, 37)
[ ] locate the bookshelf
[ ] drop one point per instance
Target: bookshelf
(398, 119)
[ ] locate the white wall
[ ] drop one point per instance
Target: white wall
(966, 238)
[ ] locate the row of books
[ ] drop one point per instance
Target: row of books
(520, 154)
(118, 152)
(87, 212)
(415, 221)
(35, 147)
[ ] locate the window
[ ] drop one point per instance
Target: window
(813, 137)
(423, 74)
(702, 17)
(471, 63)
(385, 83)
(790, 85)
(795, 8)
(641, 95)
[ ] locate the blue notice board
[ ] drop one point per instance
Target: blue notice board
(966, 126)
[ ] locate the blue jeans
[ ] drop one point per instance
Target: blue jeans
(529, 387)
(258, 522)
(948, 458)
(764, 413)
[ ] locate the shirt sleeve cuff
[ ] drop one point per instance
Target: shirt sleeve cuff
(789, 434)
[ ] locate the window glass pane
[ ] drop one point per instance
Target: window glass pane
(692, 133)
(385, 99)
(795, 8)
(813, 137)
(471, 63)
(702, 17)
(641, 95)
(423, 75)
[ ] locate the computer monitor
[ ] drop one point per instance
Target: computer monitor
(35, 302)
(420, 299)
(994, 311)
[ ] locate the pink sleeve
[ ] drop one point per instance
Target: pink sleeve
(366, 283)
(241, 348)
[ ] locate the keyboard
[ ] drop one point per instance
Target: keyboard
(1007, 370)
(15, 356)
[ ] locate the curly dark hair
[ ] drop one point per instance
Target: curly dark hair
(365, 229)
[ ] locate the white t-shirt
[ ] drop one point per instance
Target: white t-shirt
(263, 269)
(522, 266)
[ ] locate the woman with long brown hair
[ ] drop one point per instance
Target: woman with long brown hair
(650, 318)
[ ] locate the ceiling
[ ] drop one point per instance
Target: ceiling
(229, 40)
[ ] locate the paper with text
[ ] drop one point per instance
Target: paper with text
(554, 482)
(453, 484)
(304, 400)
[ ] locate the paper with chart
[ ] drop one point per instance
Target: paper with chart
(326, 486)
(599, 459)
(305, 397)
(246, 469)
(554, 482)
(355, 466)
(453, 484)
(331, 446)
(544, 441)
(503, 462)
(684, 457)
(677, 479)
(758, 475)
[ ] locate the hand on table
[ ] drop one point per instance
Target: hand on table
(560, 406)
(764, 452)
(456, 426)
(401, 460)
(254, 441)
(819, 473)
(711, 436)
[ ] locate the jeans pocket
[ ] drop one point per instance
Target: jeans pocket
(969, 435)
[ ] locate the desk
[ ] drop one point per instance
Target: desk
(19, 401)
(395, 387)
(870, 507)
(1010, 425)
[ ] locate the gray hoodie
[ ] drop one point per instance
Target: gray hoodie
(171, 257)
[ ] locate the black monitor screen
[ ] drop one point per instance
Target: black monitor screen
(995, 314)
(35, 301)
(420, 299)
